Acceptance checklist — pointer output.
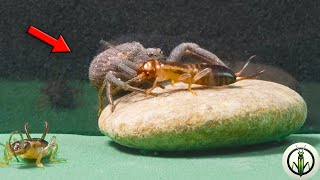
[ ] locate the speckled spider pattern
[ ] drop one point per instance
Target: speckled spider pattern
(118, 64)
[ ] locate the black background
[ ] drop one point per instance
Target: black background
(282, 33)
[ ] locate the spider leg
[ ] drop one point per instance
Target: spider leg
(128, 68)
(105, 44)
(100, 98)
(109, 95)
(132, 65)
(194, 49)
(125, 69)
(112, 77)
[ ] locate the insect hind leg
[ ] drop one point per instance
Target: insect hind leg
(128, 68)
(7, 156)
(202, 74)
(40, 155)
(53, 147)
(112, 77)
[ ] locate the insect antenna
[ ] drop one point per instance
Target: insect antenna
(45, 130)
(303, 148)
(26, 128)
(11, 148)
(106, 43)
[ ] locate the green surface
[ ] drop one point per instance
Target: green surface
(22, 101)
(96, 157)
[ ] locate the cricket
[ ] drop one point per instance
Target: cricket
(30, 148)
(202, 74)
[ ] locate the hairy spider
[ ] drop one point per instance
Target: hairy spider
(118, 64)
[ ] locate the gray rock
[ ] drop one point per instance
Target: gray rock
(247, 112)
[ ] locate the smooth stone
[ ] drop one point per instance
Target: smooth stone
(246, 112)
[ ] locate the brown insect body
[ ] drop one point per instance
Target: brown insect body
(219, 76)
(202, 74)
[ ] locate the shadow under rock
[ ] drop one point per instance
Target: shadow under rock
(268, 148)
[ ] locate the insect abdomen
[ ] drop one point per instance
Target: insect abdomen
(219, 76)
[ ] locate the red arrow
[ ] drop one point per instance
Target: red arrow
(58, 45)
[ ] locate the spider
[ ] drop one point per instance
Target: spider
(118, 64)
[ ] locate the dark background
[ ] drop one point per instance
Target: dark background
(282, 33)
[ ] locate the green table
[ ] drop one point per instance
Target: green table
(97, 157)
